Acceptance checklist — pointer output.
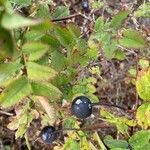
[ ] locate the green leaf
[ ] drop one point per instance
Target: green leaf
(74, 30)
(143, 85)
(132, 72)
(60, 12)
(71, 144)
(21, 131)
(7, 45)
(133, 39)
(51, 41)
(143, 10)
(46, 89)
(35, 50)
(111, 143)
(100, 142)
(118, 19)
(44, 60)
(120, 55)
(21, 2)
(65, 37)
(43, 11)
(43, 26)
(121, 123)
(144, 63)
(92, 53)
(145, 147)
(84, 144)
(143, 115)
(6, 70)
(10, 21)
(57, 60)
(97, 4)
(15, 92)
(69, 122)
(110, 49)
(38, 72)
(99, 24)
(33, 35)
(139, 139)
(27, 141)
(24, 122)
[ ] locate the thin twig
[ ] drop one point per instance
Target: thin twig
(110, 105)
(70, 17)
(6, 113)
(66, 18)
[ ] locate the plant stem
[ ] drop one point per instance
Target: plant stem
(109, 105)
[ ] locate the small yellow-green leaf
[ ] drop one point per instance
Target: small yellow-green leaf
(143, 115)
(139, 139)
(133, 39)
(144, 63)
(143, 10)
(15, 92)
(37, 72)
(84, 144)
(143, 85)
(61, 11)
(99, 24)
(112, 143)
(21, 130)
(119, 18)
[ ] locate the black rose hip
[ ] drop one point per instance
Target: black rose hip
(48, 134)
(81, 107)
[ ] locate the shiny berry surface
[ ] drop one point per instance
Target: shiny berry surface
(85, 5)
(81, 107)
(48, 134)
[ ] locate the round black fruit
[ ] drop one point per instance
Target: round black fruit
(81, 107)
(48, 134)
(85, 5)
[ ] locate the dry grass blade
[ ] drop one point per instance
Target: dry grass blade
(48, 108)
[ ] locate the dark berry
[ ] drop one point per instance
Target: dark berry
(48, 134)
(85, 5)
(81, 107)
